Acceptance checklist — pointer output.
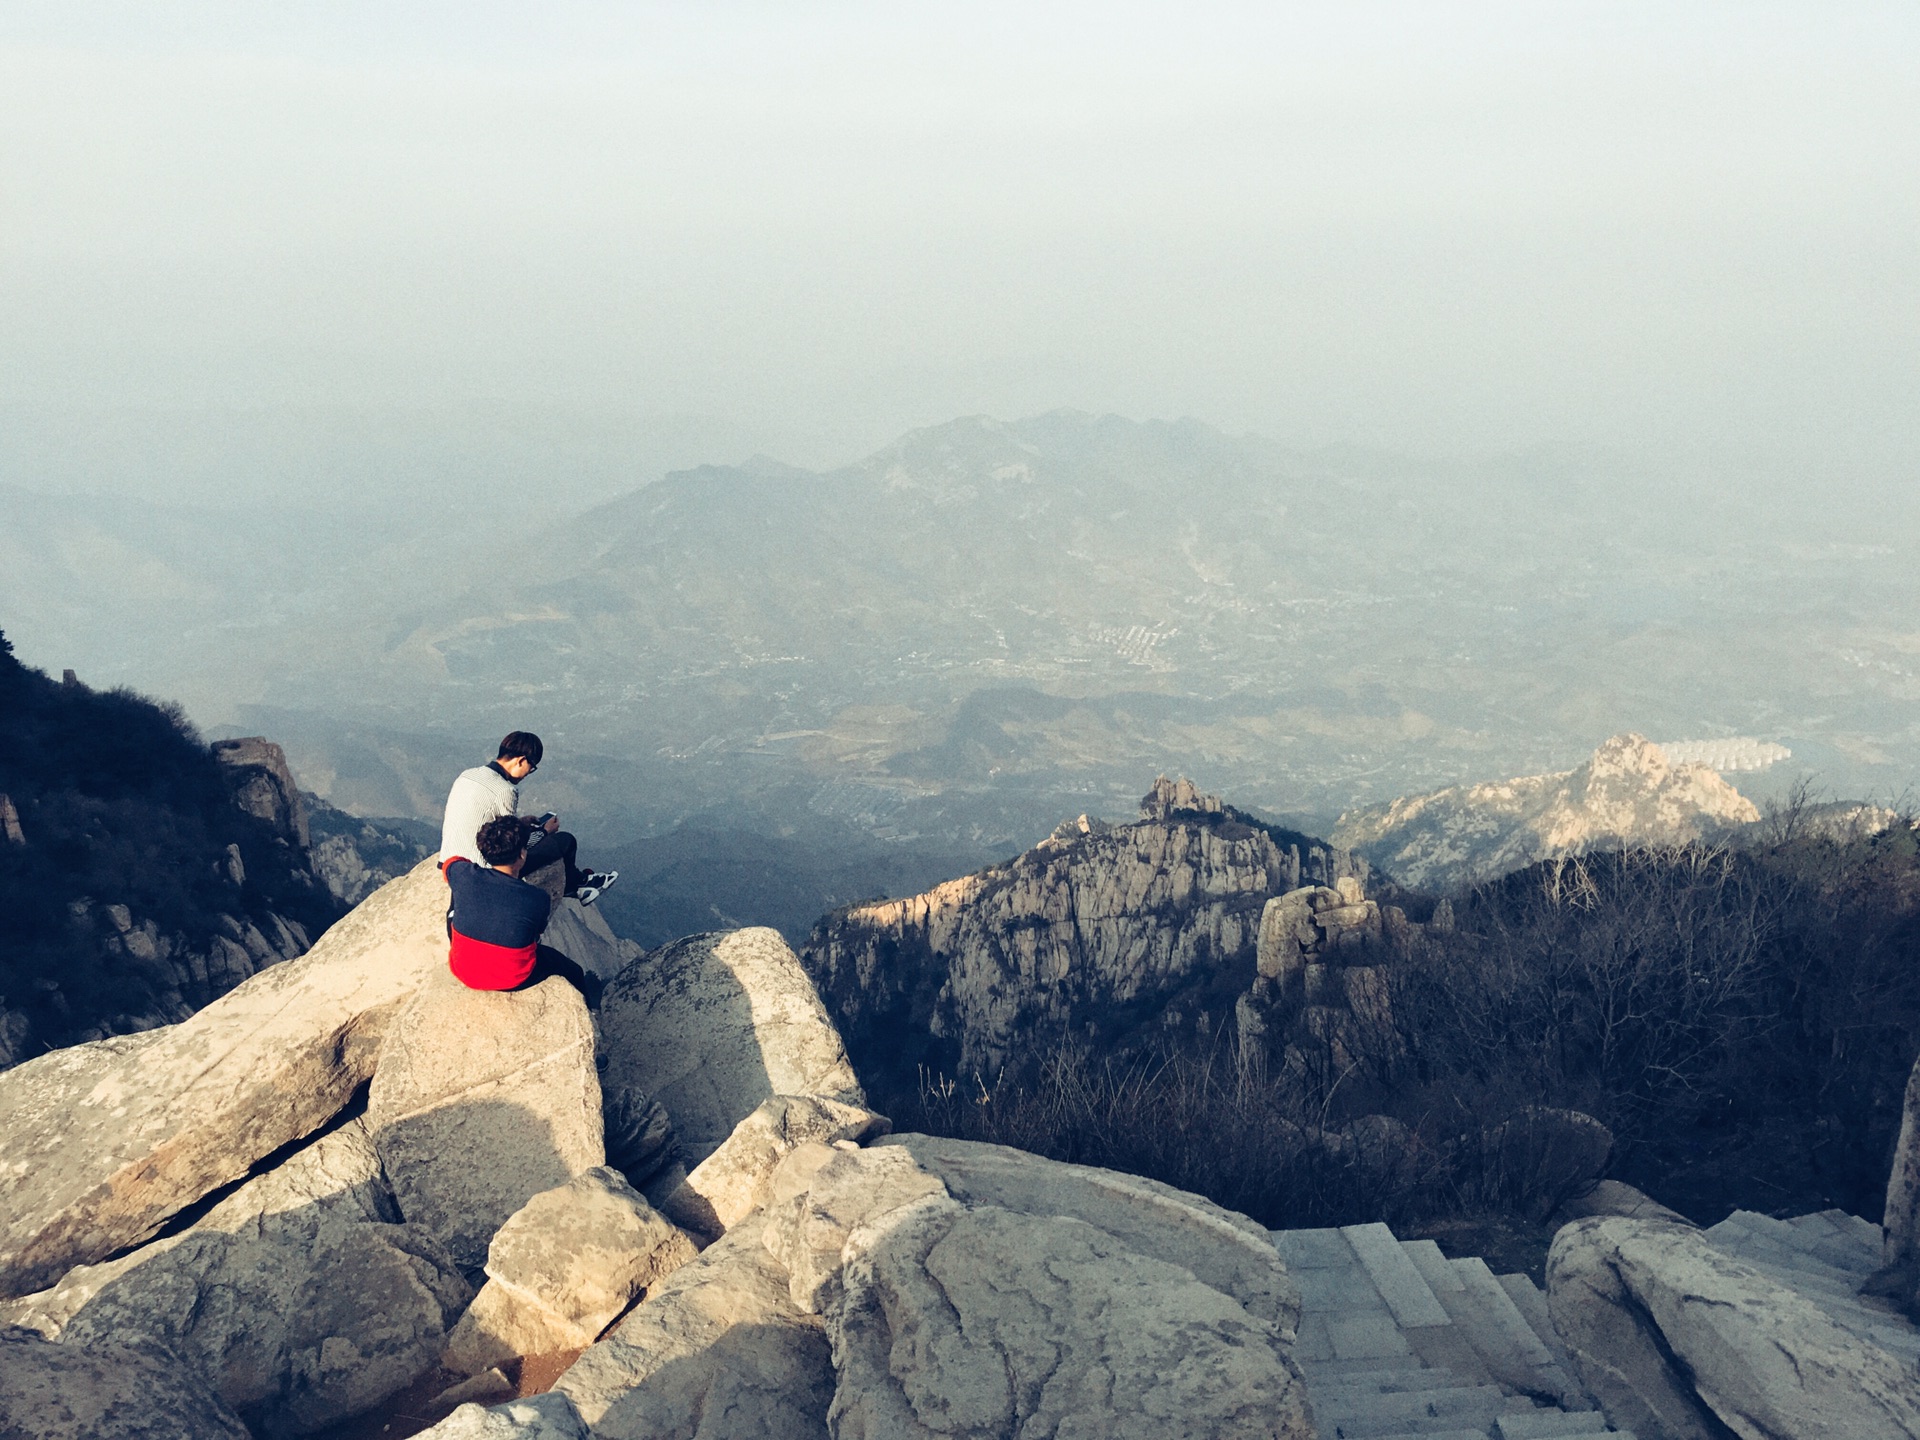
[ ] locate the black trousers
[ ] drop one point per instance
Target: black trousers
(557, 849)
(548, 962)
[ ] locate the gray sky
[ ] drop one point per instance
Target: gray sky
(1680, 229)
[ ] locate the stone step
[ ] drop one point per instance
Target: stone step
(1394, 1276)
(1313, 1249)
(1816, 1225)
(1505, 1347)
(1828, 1249)
(1354, 1417)
(1800, 1254)
(1384, 1381)
(1386, 1368)
(1866, 1233)
(1763, 1249)
(1555, 1425)
(1337, 1288)
(1509, 1329)
(1531, 1301)
(1397, 1341)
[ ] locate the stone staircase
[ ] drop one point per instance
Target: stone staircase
(1397, 1341)
(1824, 1257)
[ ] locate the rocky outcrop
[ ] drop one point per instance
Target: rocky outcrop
(263, 786)
(181, 978)
(1629, 794)
(1680, 1341)
(151, 895)
(1107, 933)
(914, 1287)
(301, 1297)
(540, 1417)
(354, 855)
(1029, 1291)
(467, 1073)
(563, 1268)
(718, 1352)
(1222, 1248)
(1319, 998)
(733, 1182)
(713, 1025)
(135, 1391)
(101, 1144)
(1899, 1276)
(986, 1322)
(929, 1287)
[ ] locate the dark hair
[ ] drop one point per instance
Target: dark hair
(501, 840)
(521, 745)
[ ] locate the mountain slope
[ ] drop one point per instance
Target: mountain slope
(140, 874)
(1109, 935)
(1629, 794)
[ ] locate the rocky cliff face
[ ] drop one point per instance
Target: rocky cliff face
(1110, 934)
(1629, 794)
(355, 855)
(142, 874)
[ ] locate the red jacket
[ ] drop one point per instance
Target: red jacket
(494, 926)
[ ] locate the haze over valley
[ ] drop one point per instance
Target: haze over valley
(952, 644)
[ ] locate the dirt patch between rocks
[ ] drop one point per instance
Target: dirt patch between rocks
(413, 1409)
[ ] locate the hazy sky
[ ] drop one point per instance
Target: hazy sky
(1676, 228)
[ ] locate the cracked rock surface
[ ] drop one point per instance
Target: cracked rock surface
(300, 1297)
(505, 1075)
(984, 1324)
(712, 1025)
(1680, 1341)
(101, 1144)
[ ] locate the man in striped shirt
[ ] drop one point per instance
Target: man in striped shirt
(496, 919)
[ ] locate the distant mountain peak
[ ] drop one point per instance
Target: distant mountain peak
(1628, 793)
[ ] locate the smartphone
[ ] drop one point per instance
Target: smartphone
(541, 823)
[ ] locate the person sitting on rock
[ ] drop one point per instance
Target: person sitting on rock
(496, 918)
(490, 791)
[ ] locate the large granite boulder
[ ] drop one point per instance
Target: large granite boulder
(134, 1391)
(981, 1322)
(1899, 1276)
(101, 1144)
(582, 934)
(718, 1352)
(481, 1100)
(563, 1268)
(1680, 1341)
(1615, 1197)
(299, 1296)
(987, 1306)
(732, 1182)
(1222, 1248)
(712, 1025)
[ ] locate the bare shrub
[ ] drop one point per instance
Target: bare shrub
(1743, 1020)
(1208, 1123)
(1613, 984)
